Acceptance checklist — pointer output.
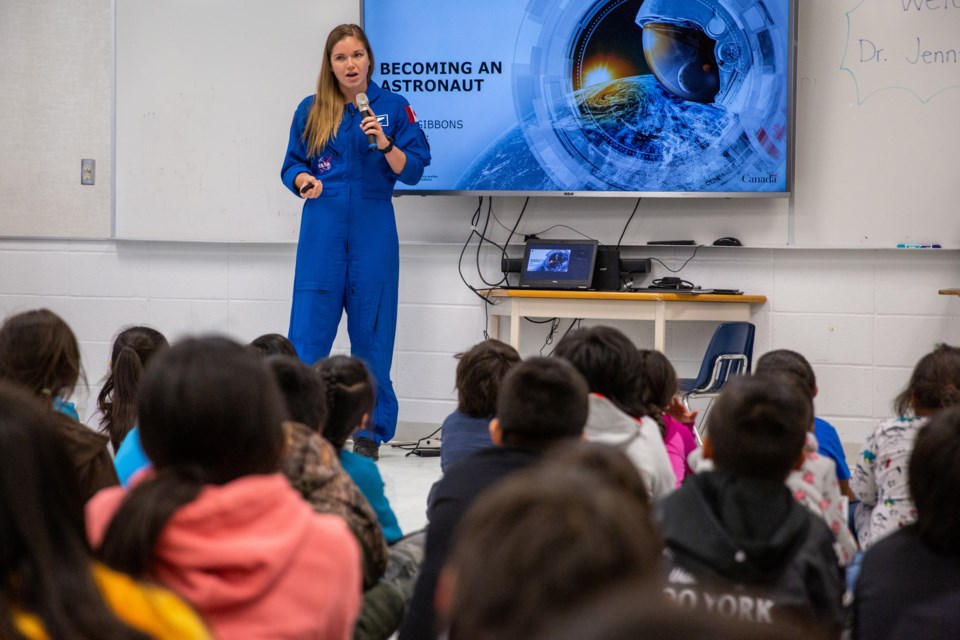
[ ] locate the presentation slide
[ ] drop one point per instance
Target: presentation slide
(575, 95)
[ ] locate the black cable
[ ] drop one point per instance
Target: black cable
(554, 325)
(503, 255)
(629, 220)
(475, 220)
(680, 268)
(563, 226)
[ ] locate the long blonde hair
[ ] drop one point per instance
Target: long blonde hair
(327, 111)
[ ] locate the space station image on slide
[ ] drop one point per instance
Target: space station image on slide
(645, 95)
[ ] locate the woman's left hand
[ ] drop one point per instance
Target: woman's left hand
(371, 125)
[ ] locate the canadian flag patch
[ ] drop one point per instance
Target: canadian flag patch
(411, 114)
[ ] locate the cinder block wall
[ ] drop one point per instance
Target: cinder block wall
(862, 317)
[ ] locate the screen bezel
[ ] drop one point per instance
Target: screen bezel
(529, 282)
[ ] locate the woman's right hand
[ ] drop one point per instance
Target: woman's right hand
(307, 186)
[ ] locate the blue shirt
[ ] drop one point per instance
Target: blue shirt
(130, 457)
(462, 435)
(830, 446)
(367, 477)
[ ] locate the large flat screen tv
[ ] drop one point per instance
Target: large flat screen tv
(594, 97)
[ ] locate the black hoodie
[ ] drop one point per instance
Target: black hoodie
(742, 547)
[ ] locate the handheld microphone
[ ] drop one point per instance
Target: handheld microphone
(363, 105)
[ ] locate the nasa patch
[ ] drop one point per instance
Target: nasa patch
(323, 164)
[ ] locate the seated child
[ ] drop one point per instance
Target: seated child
(909, 584)
(351, 393)
(542, 403)
(215, 521)
(312, 465)
(659, 393)
(479, 373)
(827, 441)
(117, 403)
(814, 484)
(611, 365)
(880, 478)
(508, 572)
(52, 586)
(39, 352)
(739, 544)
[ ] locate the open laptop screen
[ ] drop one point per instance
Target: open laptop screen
(558, 264)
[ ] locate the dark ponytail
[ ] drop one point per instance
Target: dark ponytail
(117, 401)
(351, 392)
(210, 413)
(658, 385)
(150, 505)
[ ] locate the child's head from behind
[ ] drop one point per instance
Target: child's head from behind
(303, 389)
(787, 362)
(540, 542)
(542, 401)
(658, 380)
(211, 405)
(479, 374)
(45, 560)
(273, 344)
(609, 362)
(934, 383)
(758, 426)
(351, 394)
(934, 476)
(39, 351)
(133, 348)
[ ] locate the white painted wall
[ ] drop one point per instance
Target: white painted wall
(862, 317)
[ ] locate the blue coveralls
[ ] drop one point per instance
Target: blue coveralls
(348, 255)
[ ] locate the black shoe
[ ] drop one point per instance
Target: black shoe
(367, 448)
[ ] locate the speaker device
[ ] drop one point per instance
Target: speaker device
(606, 271)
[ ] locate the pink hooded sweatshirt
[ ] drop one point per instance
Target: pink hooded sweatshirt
(254, 559)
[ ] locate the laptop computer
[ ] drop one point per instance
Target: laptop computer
(558, 264)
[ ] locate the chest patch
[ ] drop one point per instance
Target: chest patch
(323, 164)
(384, 120)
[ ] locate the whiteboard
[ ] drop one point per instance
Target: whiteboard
(205, 92)
(877, 135)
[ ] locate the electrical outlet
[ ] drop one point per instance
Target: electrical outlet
(88, 171)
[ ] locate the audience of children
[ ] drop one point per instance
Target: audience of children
(52, 587)
(545, 539)
(216, 522)
(38, 351)
(351, 393)
(117, 402)
(479, 373)
(814, 482)
(910, 580)
(660, 400)
(880, 478)
(542, 402)
(610, 364)
(737, 539)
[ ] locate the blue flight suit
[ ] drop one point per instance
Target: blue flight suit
(348, 255)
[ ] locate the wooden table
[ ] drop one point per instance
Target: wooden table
(950, 292)
(616, 305)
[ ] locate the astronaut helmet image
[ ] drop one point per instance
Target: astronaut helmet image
(711, 51)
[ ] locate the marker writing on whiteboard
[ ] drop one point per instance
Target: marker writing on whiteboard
(904, 245)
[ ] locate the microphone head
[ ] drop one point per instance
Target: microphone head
(362, 101)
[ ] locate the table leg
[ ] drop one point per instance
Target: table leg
(494, 326)
(660, 327)
(515, 326)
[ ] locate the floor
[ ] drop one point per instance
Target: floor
(408, 480)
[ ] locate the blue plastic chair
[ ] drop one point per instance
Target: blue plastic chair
(729, 353)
